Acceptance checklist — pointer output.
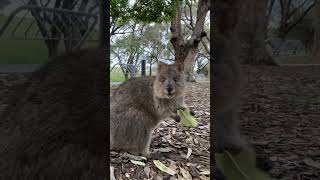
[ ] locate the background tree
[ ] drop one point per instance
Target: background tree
(154, 43)
(127, 49)
(292, 13)
(140, 42)
(120, 13)
(139, 11)
(186, 48)
(187, 25)
(316, 30)
(266, 19)
(252, 32)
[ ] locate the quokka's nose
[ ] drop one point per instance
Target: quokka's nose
(169, 88)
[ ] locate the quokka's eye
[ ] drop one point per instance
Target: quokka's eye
(175, 79)
(162, 79)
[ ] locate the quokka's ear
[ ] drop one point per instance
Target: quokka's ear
(160, 65)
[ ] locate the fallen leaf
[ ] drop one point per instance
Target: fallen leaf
(205, 172)
(187, 119)
(189, 153)
(241, 166)
(185, 174)
(138, 163)
(163, 168)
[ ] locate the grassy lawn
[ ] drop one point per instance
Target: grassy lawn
(22, 52)
(25, 51)
(116, 77)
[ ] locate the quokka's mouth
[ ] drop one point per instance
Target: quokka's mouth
(170, 95)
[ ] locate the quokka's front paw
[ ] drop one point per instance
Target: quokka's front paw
(192, 113)
(175, 117)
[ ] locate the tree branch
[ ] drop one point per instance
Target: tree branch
(296, 9)
(176, 38)
(187, 24)
(203, 8)
(300, 18)
(269, 9)
(205, 46)
(190, 13)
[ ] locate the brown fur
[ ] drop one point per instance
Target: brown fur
(55, 124)
(138, 105)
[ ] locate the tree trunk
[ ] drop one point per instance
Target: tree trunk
(104, 23)
(125, 73)
(252, 34)
(186, 51)
(189, 64)
(227, 81)
(52, 46)
(316, 37)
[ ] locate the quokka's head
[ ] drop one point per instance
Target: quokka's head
(170, 81)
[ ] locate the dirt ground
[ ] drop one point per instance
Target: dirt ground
(280, 114)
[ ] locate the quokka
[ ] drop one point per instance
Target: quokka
(55, 124)
(138, 105)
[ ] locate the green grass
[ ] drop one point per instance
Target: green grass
(22, 52)
(116, 75)
(25, 51)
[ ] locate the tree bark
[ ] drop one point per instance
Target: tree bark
(52, 46)
(227, 81)
(189, 64)
(252, 33)
(186, 51)
(316, 36)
